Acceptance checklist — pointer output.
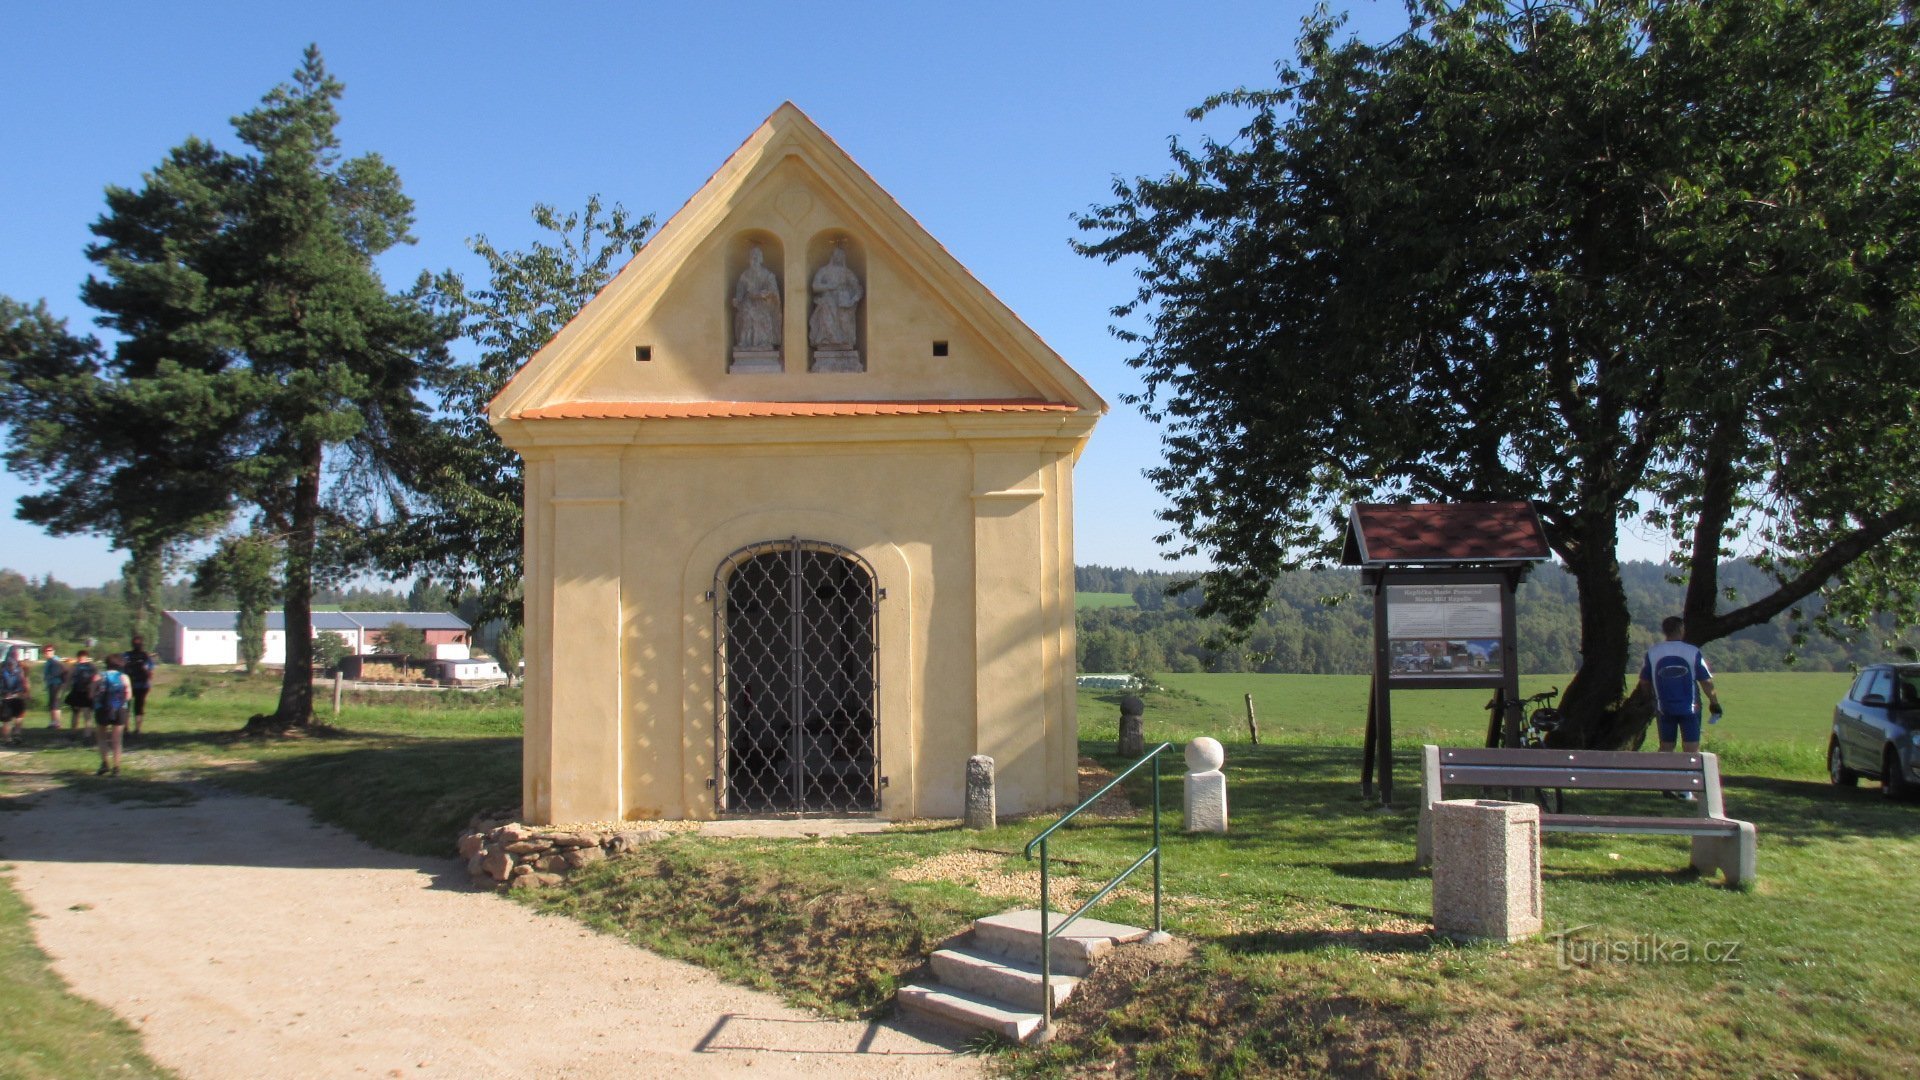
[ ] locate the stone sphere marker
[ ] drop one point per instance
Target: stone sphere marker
(1206, 801)
(1133, 727)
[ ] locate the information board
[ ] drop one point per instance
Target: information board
(1444, 630)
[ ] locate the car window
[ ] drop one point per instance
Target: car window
(1909, 690)
(1860, 685)
(1882, 684)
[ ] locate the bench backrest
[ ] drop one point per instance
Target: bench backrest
(1607, 770)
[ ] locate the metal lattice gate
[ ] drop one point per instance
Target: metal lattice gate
(796, 664)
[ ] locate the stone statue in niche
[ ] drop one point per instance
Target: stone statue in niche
(756, 317)
(834, 327)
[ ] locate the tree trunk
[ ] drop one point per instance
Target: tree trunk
(1593, 714)
(296, 687)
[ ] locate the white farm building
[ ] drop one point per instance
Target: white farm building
(192, 638)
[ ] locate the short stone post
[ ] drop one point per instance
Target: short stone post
(1486, 869)
(982, 808)
(1133, 727)
(1206, 786)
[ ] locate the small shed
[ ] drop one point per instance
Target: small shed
(464, 671)
(26, 651)
(799, 517)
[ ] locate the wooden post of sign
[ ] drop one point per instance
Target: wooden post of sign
(1510, 657)
(1253, 725)
(336, 696)
(1366, 747)
(1382, 710)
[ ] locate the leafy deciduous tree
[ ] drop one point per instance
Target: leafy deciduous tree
(246, 568)
(329, 649)
(507, 648)
(470, 528)
(1616, 257)
(408, 641)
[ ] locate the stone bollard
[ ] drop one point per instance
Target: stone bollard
(1206, 786)
(1133, 727)
(982, 808)
(1486, 869)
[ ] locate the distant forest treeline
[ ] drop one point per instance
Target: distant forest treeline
(53, 613)
(1318, 623)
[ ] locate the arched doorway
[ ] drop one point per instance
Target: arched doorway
(796, 666)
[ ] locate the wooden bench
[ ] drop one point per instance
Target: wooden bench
(1719, 842)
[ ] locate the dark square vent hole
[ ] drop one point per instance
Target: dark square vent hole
(939, 348)
(642, 353)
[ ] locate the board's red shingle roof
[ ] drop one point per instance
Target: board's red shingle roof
(1444, 533)
(702, 410)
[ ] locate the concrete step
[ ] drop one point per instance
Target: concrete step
(1001, 978)
(1016, 934)
(970, 1010)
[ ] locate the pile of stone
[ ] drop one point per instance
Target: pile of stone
(530, 857)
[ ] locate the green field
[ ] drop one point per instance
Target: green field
(1102, 599)
(1768, 713)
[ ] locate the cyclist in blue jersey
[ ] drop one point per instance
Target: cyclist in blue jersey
(1675, 669)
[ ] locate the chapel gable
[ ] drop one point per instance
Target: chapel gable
(791, 276)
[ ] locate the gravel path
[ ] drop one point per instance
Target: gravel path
(244, 940)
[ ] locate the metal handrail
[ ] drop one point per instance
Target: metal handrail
(1046, 935)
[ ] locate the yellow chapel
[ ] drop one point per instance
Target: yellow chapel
(799, 517)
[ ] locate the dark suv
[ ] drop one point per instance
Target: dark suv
(1876, 730)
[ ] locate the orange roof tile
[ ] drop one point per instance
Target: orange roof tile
(703, 410)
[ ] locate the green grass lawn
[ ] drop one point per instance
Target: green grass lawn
(1310, 928)
(1102, 599)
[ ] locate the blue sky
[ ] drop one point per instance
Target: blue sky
(992, 123)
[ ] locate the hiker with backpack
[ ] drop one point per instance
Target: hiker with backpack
(80, 677)
(13, 697)
(111, 692)
(54, 674)
(139, 665)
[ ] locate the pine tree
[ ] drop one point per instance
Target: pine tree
(260, 352)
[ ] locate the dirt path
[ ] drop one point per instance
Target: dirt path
(244, 940)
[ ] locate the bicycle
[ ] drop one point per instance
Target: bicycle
(1536, 723)
(1539, 718)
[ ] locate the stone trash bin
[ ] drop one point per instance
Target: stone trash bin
(1486, 869)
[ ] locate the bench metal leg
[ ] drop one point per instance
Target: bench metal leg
(1734, 856)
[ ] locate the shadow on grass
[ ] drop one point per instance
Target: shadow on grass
(410, 796)
(406, 796)
(217, 828)
(1378, 869)
(1681, 876)
(1357, 939)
